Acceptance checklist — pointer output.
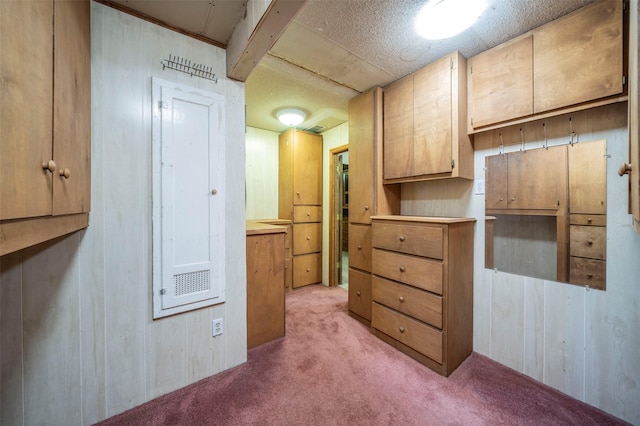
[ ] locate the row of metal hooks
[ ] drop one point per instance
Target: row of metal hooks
(573, 138)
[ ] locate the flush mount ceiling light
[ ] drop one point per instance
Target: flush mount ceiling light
(291, 116)
(440, 19)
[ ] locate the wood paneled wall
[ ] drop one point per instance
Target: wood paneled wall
(580, 341)
(77, 341)
(262, 173)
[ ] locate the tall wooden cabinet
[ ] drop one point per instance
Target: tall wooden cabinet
(423, 287)
(367, 195)
(45, 122)
(300, 200)
(425, 124)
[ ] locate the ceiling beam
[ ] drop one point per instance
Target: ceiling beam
(256, 33)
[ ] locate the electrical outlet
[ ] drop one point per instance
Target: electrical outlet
(479, 187)
(217, 327)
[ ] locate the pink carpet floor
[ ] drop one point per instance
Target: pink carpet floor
(330, 370)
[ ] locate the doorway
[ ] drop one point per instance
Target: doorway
(339, 218)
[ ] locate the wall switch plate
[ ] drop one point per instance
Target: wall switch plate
(478, 187)
(217, 327)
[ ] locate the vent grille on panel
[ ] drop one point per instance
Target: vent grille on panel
(191, 282)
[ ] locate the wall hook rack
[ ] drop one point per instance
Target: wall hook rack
(186, 66)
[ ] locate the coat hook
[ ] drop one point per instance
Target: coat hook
(570, 132)
(544, 127)
(501, 147)
(522, 139)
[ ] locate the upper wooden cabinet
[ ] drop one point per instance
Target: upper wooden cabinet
(572, 63)
(588, 178)
(45, 126)
(300, 171)
(501, 82)
(367, 194)
(424, 124)
(526, 180)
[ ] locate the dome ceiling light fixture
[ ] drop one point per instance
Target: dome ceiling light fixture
(440, 19)
(291, 116)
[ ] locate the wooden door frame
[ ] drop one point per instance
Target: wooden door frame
(333, 214)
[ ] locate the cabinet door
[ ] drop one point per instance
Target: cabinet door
(588, 177)
(536, 179)
(307, 169)
(579, 58)
(72, 107)
(25, 117)
(432, 118)
(501, 83)
(398, 129)
(361, 140)
(496, 182)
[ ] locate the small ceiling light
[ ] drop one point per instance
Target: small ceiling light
(291, 116)
(439, 19)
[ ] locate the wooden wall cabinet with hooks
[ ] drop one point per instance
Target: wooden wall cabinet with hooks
(573, 63)
(45, 124)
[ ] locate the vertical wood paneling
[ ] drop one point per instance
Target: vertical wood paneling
(11, 384)
(564, 338)
(482, 310)
(50, 286)
(507, 320)
(534, 328)
(262, 174)
(198, 339)
(166, 355)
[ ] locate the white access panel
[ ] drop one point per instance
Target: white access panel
(188, 198)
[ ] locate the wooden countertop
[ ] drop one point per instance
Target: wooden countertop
(427, 219)
(259, 227)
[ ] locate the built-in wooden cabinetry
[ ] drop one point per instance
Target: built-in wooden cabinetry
(587, 213)
(300, 200)
(265, 283)
(367, 195)
(575, 62)
(425, 124)
(422, 288)
(45, 121)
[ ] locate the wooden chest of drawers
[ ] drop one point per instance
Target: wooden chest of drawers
(422, 287)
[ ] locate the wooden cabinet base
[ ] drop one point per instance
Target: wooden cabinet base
(19, 234)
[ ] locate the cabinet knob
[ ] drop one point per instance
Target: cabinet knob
(501, 199)
(358, 293)
(51, 166)
(359, 247)
(65, 173)
(590, 242)
(402, 238)
(401, 329)
(401, 269)
(308, 270)
(589, 276)
(625, 169)
(298, 193)
(513, 198)
(309, 214)
(589, 220)
(366, 207)
(214, 191)
(401, 299)
(308, 238)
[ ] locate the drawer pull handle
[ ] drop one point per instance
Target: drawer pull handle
(624, 169)
(308, 238)
(589, 276)
(65, 173)
(308, 270)
(358, 294)
(359, 247)
(401, 299)
(366, 207)
(401, 329)
(49, 165)
(402, 238)
(589, 220)
(590, 242)
(402, 269)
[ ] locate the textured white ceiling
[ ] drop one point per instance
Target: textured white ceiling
(335, 49)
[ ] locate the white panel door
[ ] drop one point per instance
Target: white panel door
(188, 199)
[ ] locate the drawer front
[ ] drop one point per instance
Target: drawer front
(421, 240)
(306, 214)
(307, 238)
(416, 303)
(307, 269)
(416, 271)
(419, 336)
(360, 293)
(587, 241)
(360, 247)
(589, 272)
(588, 219)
